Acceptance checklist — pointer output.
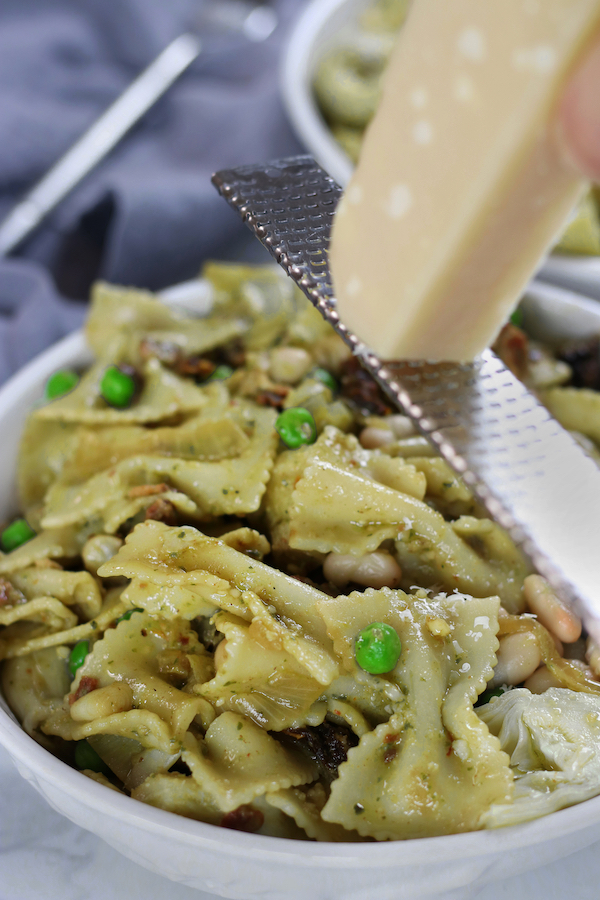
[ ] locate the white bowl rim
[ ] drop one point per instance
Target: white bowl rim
(415, 851)
(31, 757)
(298, 101)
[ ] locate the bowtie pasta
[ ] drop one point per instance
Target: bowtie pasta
(312, 632)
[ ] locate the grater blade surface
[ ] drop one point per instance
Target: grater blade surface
(529, 473)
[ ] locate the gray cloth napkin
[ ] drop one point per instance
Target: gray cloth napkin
(148, 215)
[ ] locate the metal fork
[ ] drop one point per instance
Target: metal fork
(255, 21)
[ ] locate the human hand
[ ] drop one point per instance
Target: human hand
(579, 115)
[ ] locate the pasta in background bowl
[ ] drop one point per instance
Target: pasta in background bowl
(224, 861)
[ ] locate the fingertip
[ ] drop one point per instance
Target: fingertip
(579, 115)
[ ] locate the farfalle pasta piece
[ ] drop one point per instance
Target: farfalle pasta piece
(338, 511)
(431, 769)
(44, 615)
(362, 700)
(238, 761)
(138, 724)
(126, 508)
(164, 395)
(345, 452)
(259, 295)
(128, 759)
(446, 490)
(260, 675)
(179, 794)
(178, 552)
(24, 637)
(334, 510)
(196, 594)
(35, 685)
(248, 541)
(139, 315)
(43, 451)
(227, 487)
(52, 543)
(77, 589)
(334, 453)
(184, 796)
(304, 807)
(315, 657)
(200, 437)
(131, 653)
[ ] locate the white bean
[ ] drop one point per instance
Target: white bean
(402, 426)
(541, 680)
(289, 364)
(518, 658)
(371, 437)
(550, 610)
(114, 698)
(99, 549)
(376, 570)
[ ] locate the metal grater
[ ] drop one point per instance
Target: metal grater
(529, 473)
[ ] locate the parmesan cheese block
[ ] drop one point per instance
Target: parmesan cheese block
(461, 186)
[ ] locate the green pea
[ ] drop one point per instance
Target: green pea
(221, 373)
(296, 427)
(17, 533)
(377, 648)
(325, 377)
(87, 758)
(78, 655)
(127, 615)
(61, 383)
(117, 387)
(517, 318)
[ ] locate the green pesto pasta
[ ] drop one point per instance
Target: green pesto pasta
(182, 624)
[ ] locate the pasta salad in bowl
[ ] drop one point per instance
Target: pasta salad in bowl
(249, 619)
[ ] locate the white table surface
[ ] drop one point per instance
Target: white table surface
(44, 857)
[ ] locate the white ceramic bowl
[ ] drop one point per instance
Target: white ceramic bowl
(252, 867)
(323, 24)
(327, 23)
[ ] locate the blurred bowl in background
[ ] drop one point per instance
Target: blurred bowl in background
(325, 25)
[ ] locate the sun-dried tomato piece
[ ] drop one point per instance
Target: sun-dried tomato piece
(86, 686)
(361, 390)
(195, 367)
(273, 398)
(512, 346)
(244, 818)
(325, 744)
(162, 511)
